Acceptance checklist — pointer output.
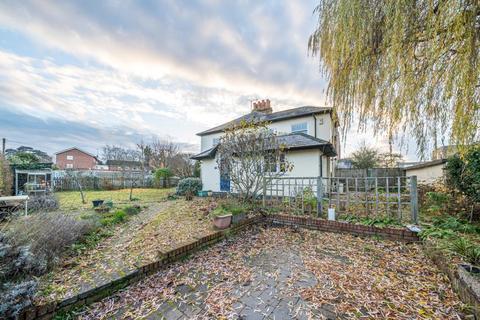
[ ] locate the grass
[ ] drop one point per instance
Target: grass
(71, 200)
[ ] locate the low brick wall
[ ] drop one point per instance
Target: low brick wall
(464, 284)
(343, 227)
(48, 311)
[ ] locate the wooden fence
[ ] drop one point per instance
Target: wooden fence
(108, 180)
(393, 197)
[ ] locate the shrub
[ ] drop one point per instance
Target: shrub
(44, 202)
(193, 185)
(14, 297)
(132, 210)
(6, 178)
(114, 218)
(463, 174)
(161, 175)
(32, 245)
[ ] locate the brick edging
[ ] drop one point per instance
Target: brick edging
(343, 227)
(48, 311)
(458, 282)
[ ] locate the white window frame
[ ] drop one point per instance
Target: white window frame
(69, 166)
(299, 130)
(70, 157)
(215, 141)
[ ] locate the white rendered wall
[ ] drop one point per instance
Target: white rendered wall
(427, 174)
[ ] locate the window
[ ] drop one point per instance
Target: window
(69, 157)
(69, 165)
(215, 141)
(320, 121)
(300, 128)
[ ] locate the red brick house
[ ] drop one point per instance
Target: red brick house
(75, 158)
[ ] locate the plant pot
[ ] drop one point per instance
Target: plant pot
(222, 222)
(97, 203)
(239, 218)
(210, 193)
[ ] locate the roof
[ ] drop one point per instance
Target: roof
(75, 148)
(426, 164)
(292, 141)
(272, 117)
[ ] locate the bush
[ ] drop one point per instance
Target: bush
(46, 202)
(132, 210)
(161, 176)
(32, 245)
(114, 218)
(193, 185)
(463, 174)
(16, 297)
(6, 178)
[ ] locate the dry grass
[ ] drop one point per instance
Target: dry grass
(71, 200)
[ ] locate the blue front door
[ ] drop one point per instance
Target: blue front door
(224, 183)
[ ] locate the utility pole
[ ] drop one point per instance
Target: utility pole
(3, 146)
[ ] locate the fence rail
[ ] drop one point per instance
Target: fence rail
(393, 197)
(108, 181)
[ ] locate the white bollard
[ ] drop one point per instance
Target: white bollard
(331, 214)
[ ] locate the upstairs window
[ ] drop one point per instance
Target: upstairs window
(300, 128)
(69, 157)
(215, 141)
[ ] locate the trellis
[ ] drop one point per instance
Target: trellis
(394, 197)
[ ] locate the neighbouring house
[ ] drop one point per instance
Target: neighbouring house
(345, 163)
(427, 172)
(42, 156)
(76, 159)
(124, 165)
(309, 133)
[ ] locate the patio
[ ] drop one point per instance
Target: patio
(282, 273)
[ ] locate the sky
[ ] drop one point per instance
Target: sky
(91, 73)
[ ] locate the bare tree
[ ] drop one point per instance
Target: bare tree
(113, 152)
(182, 166)
(250, 154)
(73, 176)
(162, 153)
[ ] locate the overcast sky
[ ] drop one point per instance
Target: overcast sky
(90, 73)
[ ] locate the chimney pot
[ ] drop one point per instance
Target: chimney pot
(262, 106)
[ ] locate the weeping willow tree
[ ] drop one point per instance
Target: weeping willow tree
(407, 67)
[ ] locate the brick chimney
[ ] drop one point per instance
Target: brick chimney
(262, 106)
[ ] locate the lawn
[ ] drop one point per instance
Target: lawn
(71, 200)
(281, 273)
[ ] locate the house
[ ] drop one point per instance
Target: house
(444, 152)
(75, 158)
(427, 172)
(345, 163)
(310, 135)
(124, 165)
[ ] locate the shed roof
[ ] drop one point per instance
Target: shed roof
(272, 117)
(426, 164)
(292, 141)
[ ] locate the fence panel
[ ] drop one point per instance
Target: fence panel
(107, 180)
(367, 197)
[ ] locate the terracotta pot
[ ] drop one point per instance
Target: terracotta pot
(222, 222)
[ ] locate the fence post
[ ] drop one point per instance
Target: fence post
(319, 197)
(414, 199)
(264, 191)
